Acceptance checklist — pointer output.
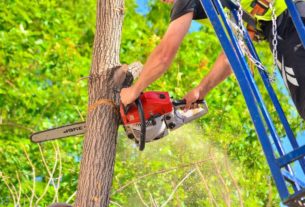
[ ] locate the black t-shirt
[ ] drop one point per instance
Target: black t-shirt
(182, 7)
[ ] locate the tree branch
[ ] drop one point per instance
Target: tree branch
(139, 194)
(51, 174)
(158, 172)
(70, 198)
(56, 187)
(234, 181)
(8, 186)
(206, 186)
(175, 189)
(152, 200)
(19, 189)
(33, 175)
(11, 124)
(115, 203)
(226, 194)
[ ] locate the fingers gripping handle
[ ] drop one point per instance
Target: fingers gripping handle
(182, 117)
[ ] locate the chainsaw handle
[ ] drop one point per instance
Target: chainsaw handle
(143, 124)
(182, 103)
(126, 108)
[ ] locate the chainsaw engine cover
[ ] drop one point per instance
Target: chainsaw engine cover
(155, 105)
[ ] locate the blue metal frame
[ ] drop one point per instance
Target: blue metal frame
(260, 116)
(293, 179)
(291, 157)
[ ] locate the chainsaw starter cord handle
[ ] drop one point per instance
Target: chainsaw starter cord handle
(143, 125)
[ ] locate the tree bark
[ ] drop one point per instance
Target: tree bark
(97, 163)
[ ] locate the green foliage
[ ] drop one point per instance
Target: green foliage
(45, 50)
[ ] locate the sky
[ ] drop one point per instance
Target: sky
(143, 9)
(142, 6)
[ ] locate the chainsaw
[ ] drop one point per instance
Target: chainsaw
(148, 119)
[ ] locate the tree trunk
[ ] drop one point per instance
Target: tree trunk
(97, 163)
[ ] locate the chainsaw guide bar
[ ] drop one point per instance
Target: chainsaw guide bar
(59, 132)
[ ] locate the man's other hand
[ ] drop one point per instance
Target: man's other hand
(128, 95)
(191, 97)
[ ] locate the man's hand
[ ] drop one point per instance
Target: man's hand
(220, 71)
(191, 97)
(129, 95)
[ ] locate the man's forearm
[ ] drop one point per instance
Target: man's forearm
(160, 59)
(220, 71)
(158, 62)
(154, 67)
(164, 53)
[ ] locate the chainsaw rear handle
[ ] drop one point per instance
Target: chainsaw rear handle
(182, 103)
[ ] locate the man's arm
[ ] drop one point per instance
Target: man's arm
(160, 59)
(219, 72)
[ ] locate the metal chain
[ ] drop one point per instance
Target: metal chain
(240, 33)
(274, 40)
(239, 30)
(245, 49)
